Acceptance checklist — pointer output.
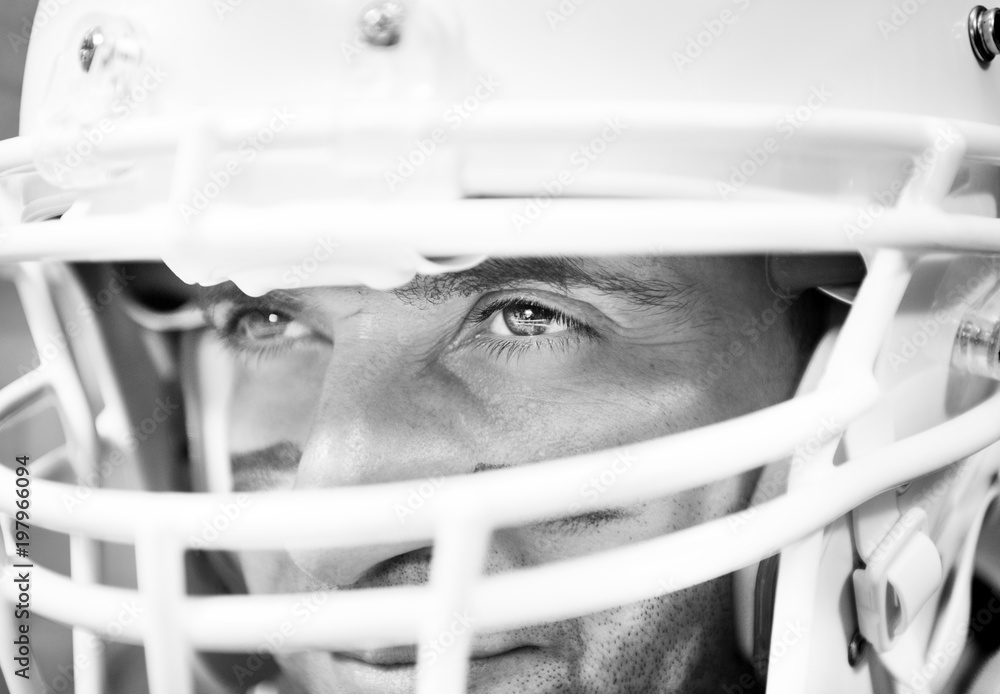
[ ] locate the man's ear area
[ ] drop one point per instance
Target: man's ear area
(768, 333)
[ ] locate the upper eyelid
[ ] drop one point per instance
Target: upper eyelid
(282, 301)
(484, 310)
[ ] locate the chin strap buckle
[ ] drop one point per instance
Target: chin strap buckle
(902, 574)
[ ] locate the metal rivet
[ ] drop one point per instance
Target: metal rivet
(92, 40)
(382, 23)
(983, 36)
(977, 340)
(856, 649)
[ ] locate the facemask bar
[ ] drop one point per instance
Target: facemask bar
(88, 433)
(174, 624)
(384, 242)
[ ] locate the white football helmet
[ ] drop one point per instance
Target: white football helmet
(382, 139)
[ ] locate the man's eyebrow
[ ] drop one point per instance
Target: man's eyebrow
(558, 272)
(206, 297)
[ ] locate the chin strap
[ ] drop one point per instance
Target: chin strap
(765, 590)
(934, 666)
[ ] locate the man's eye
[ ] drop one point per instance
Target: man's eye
(518, 325)
(256, 330)
(523, 319)
(261, 331)
(255, 326)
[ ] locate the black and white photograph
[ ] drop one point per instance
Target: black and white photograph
(499, 347)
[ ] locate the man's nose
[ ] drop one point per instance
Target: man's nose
(378, 423)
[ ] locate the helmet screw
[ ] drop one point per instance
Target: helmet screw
(983, 33)
(382, 23)
(92, 40)
(856, 649)
(120, 51)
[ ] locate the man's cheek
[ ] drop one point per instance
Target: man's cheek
(272, 405)
(269, 572)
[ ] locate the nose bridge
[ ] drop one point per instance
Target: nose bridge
(379, 419)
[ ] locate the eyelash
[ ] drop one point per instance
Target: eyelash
(513, 348)
(250, 353)
(253, 353)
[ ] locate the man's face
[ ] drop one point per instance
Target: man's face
(514, 362)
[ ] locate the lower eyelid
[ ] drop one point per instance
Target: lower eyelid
(241, 344)
(513, 347)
